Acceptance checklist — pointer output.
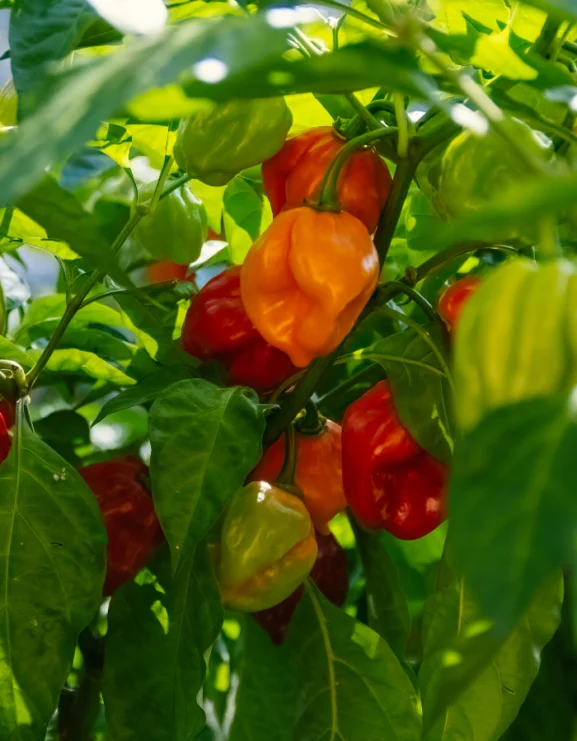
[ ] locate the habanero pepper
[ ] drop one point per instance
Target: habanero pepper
(318, 472)
(133, 530)
(5, 439)
(217, 327)
(329, 574)
(390, 482)
(305, 281)
(266, 547)
(294, 175)
(454, 298)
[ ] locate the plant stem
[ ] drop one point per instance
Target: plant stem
(546, 38)
(79, 708)
(365, 374)
(393, 207)
(415, 275)
(357, 14)
(371, 122)
(76, 303)
(328, 196)
(417, 298)
(175, 185)
(164, 173)
(402, 125)
(286, 476)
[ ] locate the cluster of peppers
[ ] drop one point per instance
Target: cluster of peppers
(302, 287)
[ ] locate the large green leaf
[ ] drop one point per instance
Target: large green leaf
(387, 607)
(52, 545)
(417, 368)
(43, 31)
(267, 671)
(158, 633)
(485, 682)
(514, 474)
(351, 685)
(205, 440)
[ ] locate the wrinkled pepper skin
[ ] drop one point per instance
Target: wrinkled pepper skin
(318, 472)
(5, 439)
(454, 298)
(517, 338)
(390, 482)
(217, 327)
(294, 175)
(329, 574)
(176, 229)
(126, 506)
(305, 281)
(217, 142)
(267, 547)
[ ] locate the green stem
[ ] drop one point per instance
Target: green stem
(357, 14)
(393, 207)
(415, 275)
(76, 303)
(365, 375)
(546, 39)
(371, 122)
(415, 296)
(402, 125)
(328, 195)
(164, 173)
(311, 423)
(175, 185)
(286, 476)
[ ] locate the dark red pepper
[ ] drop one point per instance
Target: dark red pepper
(452, 301)
(5, 439)
(390, 482)
(132, 527)
(217, 327)
(8, 411)
(329, 574)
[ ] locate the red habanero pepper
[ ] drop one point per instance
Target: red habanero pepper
(217, 327)
(454, 298)
(127, 509)
(294, 175)
(159, 272)
(318, 472)
(390, 482)
(5, 439)
(8, 411)
(329, 574)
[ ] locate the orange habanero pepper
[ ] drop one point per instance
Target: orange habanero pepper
(306, 280)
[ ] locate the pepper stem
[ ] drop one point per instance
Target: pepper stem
(328, 195)
(286, 477)
(311, 422)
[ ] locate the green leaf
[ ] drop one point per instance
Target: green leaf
(43, 31)
(267, 671)
(205, 440)
(146, 390)
(387, 606)
(158, 633)
(421, 221)
(484, 680)
(80, 361)
(246, 215)
(58, 211)
(212, 199)
(11, 351)
(417, 371)
(53, 544)
(350, 682)
(514, 473)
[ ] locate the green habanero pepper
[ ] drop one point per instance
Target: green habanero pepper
(176, 229)
(474, 169)
(215, 144)
(267, 547)
(517, 338)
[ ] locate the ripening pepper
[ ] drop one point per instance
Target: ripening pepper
(162, 271)
(390, 482)
(176, 229)
(517, 338)
(294, 175)
(219, 141)
(329, 574)
(453, 299)
(305, 281)
(5, 439)
(318, 472)
(126, 506)
(8, 411)
(266, 548)
(217, 327)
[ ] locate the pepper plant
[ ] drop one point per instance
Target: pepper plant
(288, 371)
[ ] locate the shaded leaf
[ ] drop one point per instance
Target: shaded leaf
(205, 440)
